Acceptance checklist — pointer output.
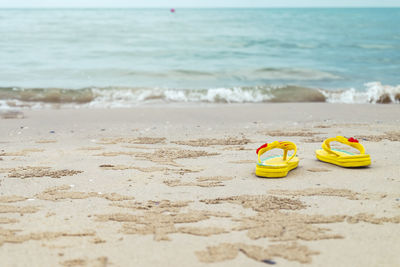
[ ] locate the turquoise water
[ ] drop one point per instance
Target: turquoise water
(199, 49)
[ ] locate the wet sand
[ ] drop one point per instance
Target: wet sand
(175, 186)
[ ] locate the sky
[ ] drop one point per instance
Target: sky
(197, 3)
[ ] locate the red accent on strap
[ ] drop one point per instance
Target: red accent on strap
(264, 145)
(352, 140)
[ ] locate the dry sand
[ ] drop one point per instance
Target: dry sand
(174, 186)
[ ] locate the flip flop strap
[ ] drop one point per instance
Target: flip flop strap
(286, 146)
(347, 141)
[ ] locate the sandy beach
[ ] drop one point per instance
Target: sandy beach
(174, 185)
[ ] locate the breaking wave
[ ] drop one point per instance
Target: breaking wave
(117, 97)
(375, 93)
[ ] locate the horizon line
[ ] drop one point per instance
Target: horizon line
(198, 7)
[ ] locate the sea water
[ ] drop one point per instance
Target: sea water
(122, 57)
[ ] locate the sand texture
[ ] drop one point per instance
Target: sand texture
(175, 186)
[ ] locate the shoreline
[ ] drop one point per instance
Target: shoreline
(214, 113)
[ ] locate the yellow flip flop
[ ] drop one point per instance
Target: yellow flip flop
(341, 157)
(276, 166)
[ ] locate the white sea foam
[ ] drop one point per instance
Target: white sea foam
(375, 92)
(128, 98)
(111, 97)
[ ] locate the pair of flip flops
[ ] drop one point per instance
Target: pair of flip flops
(279, 166)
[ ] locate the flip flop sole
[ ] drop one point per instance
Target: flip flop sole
(348, 163)
(275, 172)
